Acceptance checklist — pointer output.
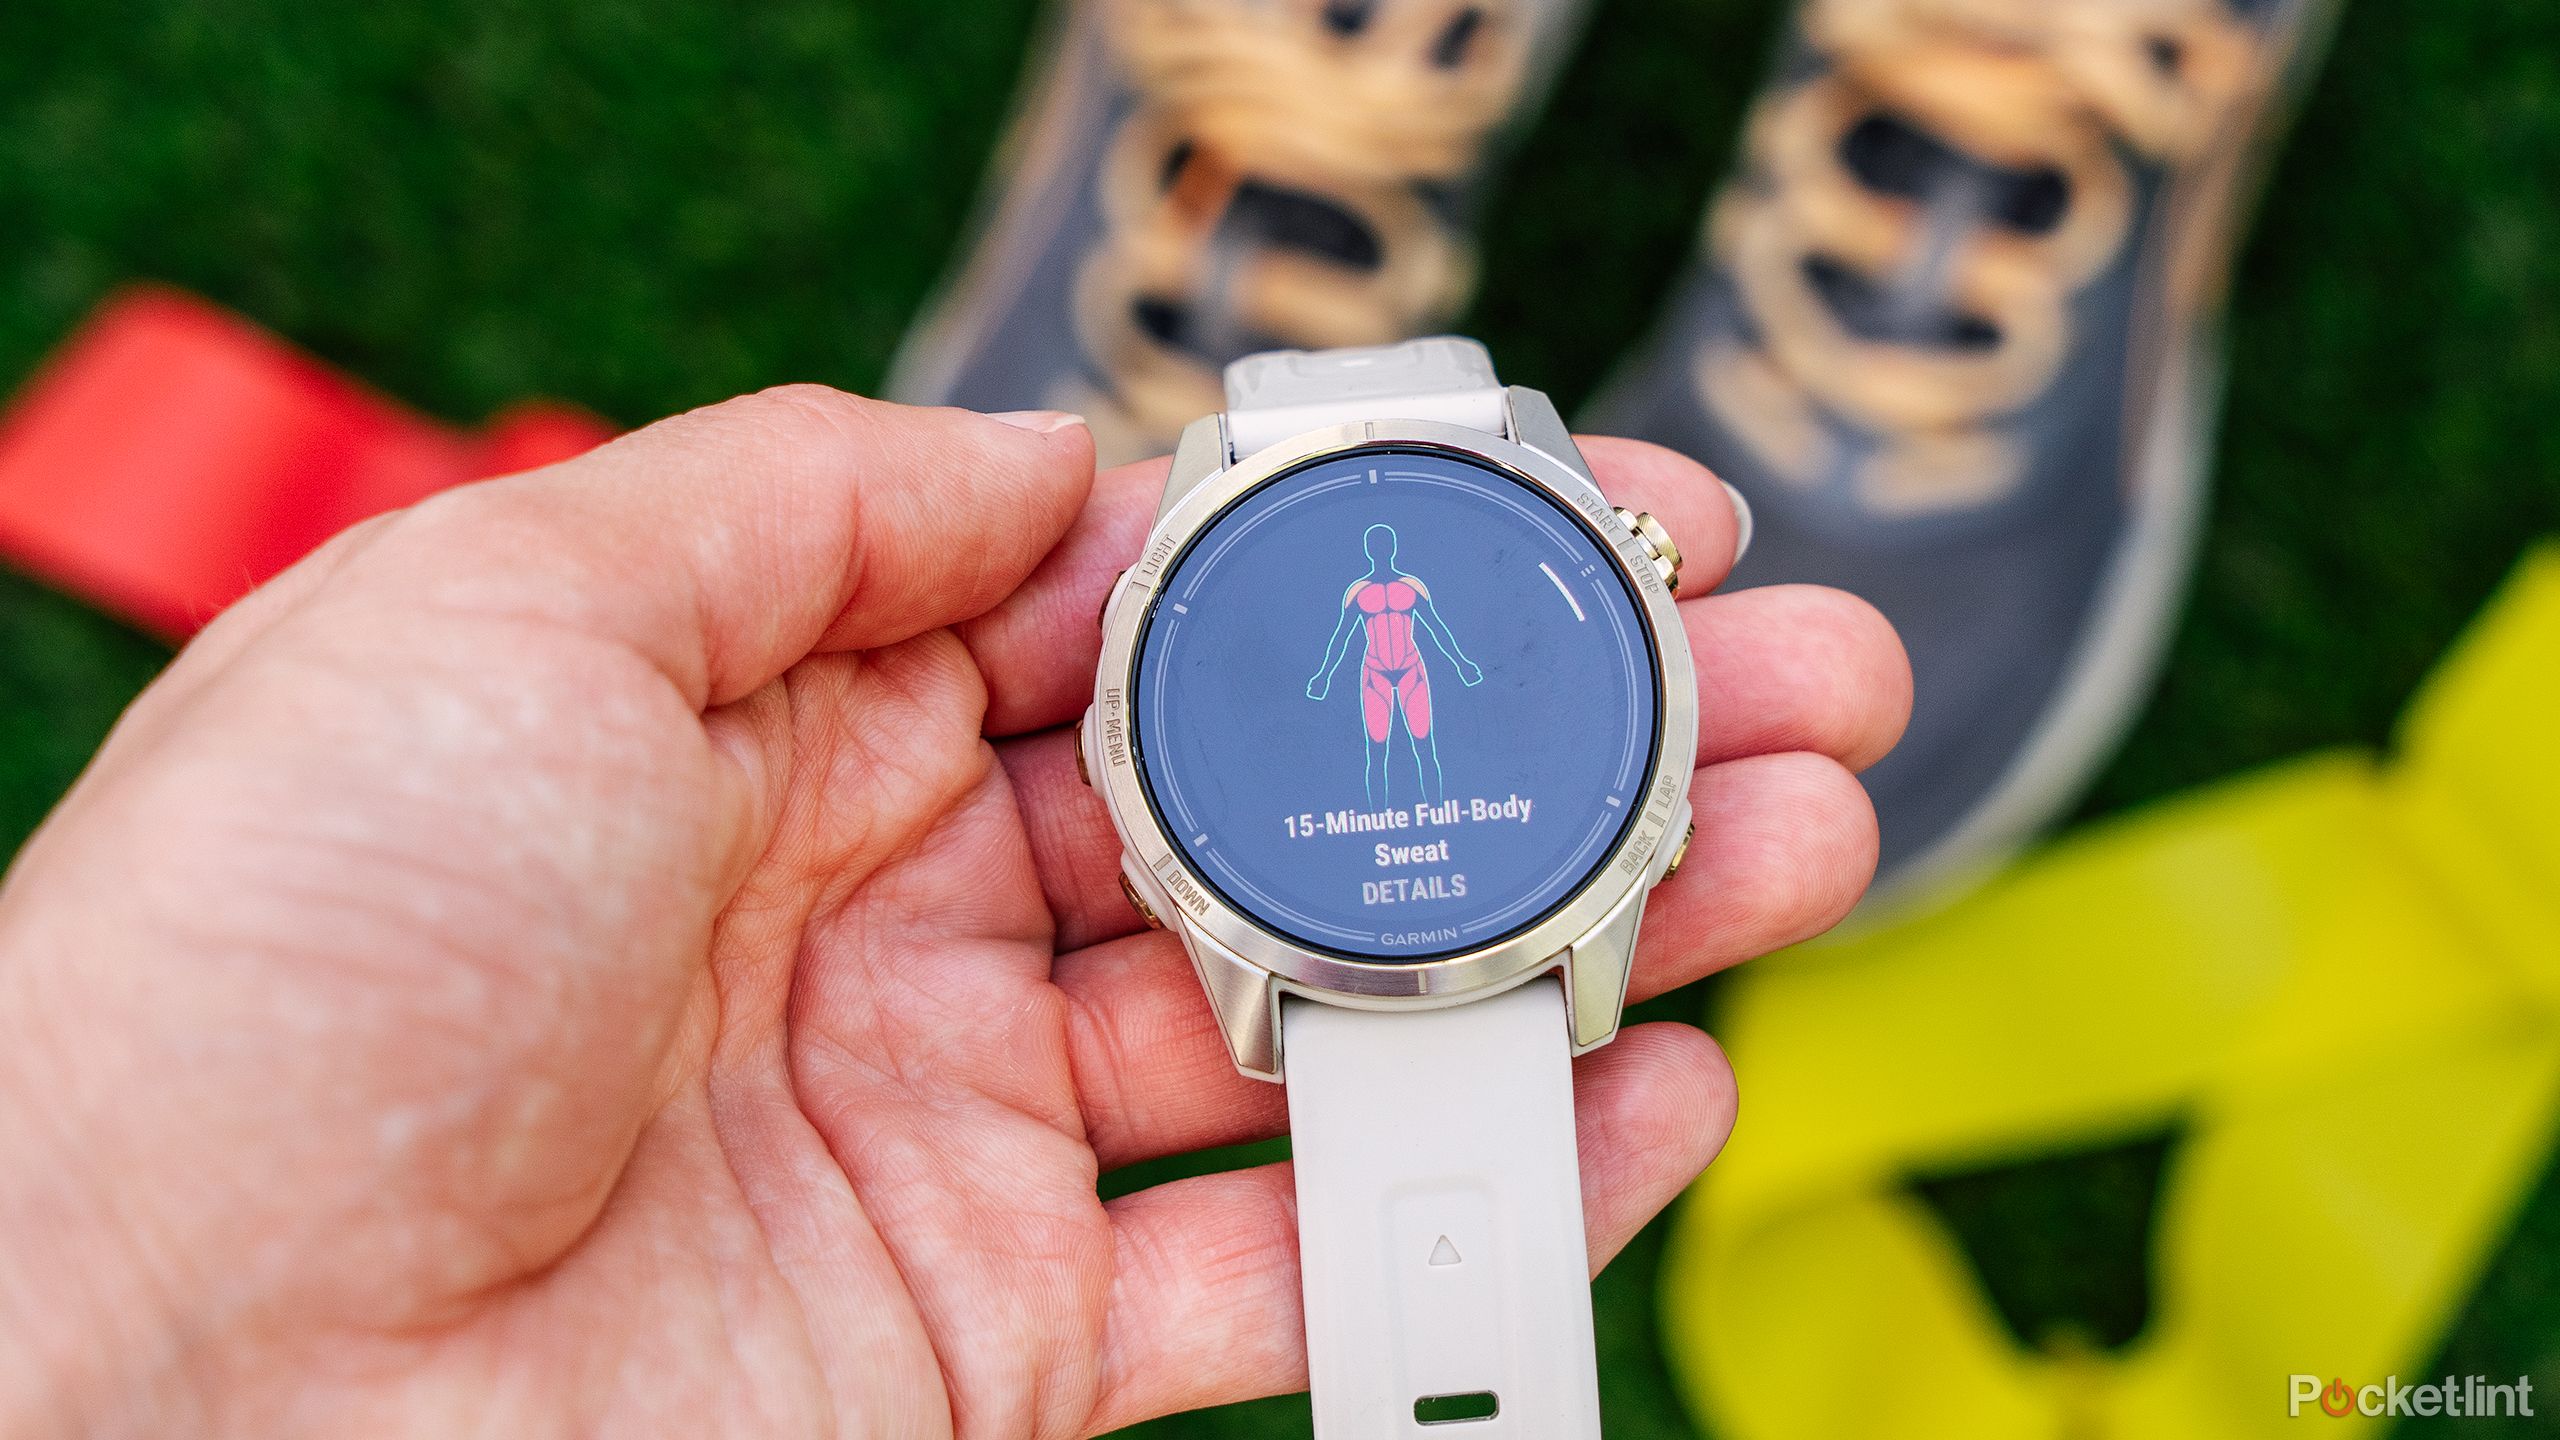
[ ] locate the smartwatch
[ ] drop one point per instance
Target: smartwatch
(1395, 719)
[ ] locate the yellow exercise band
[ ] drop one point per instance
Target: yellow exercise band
(2339, 977)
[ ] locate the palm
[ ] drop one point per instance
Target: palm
(857, 1122)
(880, 1132)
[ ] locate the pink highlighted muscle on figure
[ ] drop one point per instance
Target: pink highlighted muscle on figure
(1386, 606)
(1391, 671)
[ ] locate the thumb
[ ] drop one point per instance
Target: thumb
(727, 544)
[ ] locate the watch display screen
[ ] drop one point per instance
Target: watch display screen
(1395, 704)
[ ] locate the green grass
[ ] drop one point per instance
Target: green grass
(642, 207)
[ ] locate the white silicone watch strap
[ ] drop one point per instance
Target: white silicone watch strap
(1280, 393)
(1439, 1194)
(1440, 1219)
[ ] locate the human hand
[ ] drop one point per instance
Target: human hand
(1318, 688)
(1470, 674)
(565, 958)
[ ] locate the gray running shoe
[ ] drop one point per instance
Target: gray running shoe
(1953, 333)
(1195, 180)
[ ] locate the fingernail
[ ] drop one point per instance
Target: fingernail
(1042, 422)
(1741, 521)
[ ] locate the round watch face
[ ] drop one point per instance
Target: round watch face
(1395, 704)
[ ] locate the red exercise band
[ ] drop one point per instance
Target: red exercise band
(171, 456)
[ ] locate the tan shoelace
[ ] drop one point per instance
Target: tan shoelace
(2052, 88)
(1350, 110)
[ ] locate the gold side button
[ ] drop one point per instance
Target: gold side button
(1657, 543)
(1145, 911)
(1673, 867)
(1105, 607)
(1084, 772)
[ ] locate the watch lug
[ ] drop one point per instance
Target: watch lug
(1535, 423)
(1199, 454)
(1595, 974)
(1245, 1001)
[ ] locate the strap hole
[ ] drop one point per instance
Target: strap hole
(1456, 1409)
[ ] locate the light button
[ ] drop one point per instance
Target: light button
(1108, 591)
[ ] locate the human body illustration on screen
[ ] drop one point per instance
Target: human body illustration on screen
(1385, 607)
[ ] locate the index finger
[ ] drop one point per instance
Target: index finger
(1038, 650)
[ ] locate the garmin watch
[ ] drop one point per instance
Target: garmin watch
(1395, 718)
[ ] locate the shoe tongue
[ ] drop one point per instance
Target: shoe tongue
(1293, 219)
(1348, 17)
(1898, 310)
(1957, 195)
(1891, 155)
